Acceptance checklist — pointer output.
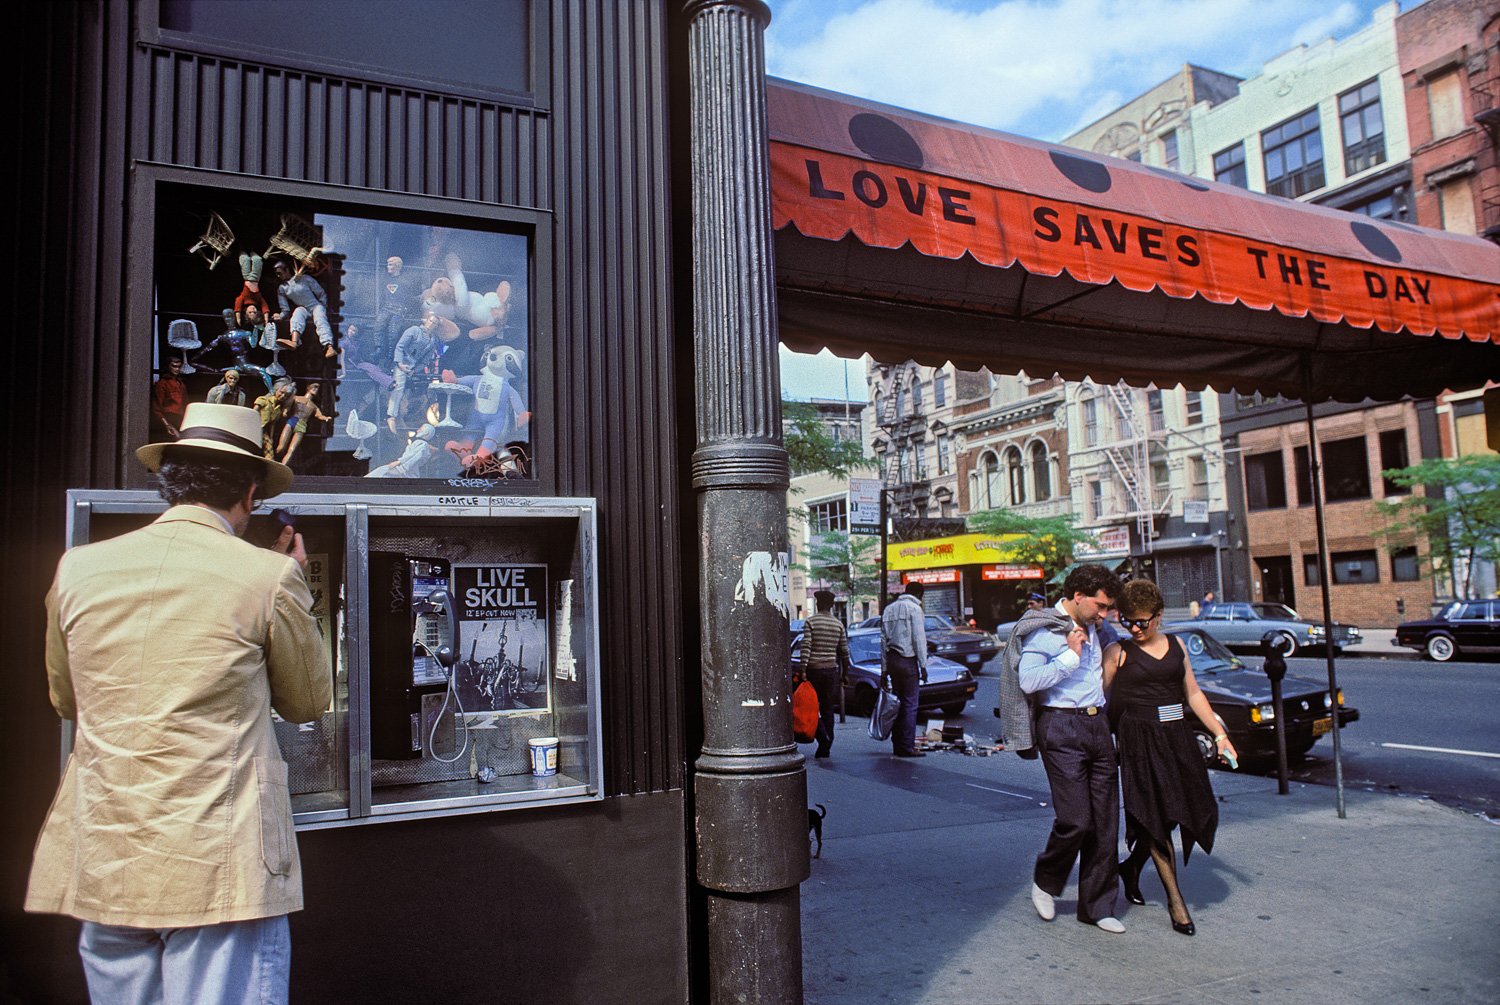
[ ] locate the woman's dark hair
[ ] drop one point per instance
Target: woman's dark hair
(212, 482)
(1089, 580)
(1140, 597)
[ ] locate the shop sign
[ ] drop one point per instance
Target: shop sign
(943, 552)
(992, 573)
(930, 576)
(1107, 541)
(864, 506)
(1195, 511)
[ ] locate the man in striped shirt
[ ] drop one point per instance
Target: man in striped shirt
(825, 660)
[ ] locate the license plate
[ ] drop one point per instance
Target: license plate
(1321, 726)
(972, 658)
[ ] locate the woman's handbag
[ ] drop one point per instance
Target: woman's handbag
(805, 713)
(883, 715)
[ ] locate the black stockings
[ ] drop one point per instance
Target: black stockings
(1166, 868)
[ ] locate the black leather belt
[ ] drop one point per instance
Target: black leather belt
(1086, 710)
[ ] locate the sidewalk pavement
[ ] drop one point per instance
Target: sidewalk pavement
(1378, 642)
(922, 895)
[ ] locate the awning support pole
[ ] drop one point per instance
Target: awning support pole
(749, 783)
(1315, 468)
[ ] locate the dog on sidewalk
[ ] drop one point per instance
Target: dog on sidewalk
(815, 827)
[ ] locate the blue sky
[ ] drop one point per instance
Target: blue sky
(1040, 68)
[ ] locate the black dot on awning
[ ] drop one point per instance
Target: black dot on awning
(882, 140)
(1375, 241)
(1091, 176)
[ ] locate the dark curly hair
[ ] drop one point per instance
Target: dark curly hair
(1089, 580)
(1141, 598)
(212, 482)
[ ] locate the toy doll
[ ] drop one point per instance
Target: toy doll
(273, 407)
(250, 269)
(263, 334)
(450, 297)
(418, 454)
(417, 351)
(228, 391)
(238, 342)
(302, 297)
(497, 403)
(303, 409)
(168, 401)
(395, 300)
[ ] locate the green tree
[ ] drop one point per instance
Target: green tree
(1048, 541)
(810, 447)
(849, 563)
(1459, 517)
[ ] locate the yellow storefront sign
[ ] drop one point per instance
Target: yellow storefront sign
(963, 549)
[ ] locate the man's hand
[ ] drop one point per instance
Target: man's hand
(290, 543)
(922, 675)
(1076, 638)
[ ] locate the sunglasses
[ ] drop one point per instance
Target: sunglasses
(1141, 623)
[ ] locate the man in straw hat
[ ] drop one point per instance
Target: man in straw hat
(171, 834)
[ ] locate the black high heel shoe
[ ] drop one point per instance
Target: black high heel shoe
(1130, 876)
(1185, 927)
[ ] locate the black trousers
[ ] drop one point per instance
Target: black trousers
(825, 681)
(1079, 755)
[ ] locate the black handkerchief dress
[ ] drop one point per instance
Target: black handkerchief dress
(1162, 775)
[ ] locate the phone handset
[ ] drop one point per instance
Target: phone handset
(439, 604)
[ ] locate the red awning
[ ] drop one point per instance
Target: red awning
(1037, 245)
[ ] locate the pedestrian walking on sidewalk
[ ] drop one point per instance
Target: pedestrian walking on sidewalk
(903, 628)
(1061, 663)
(1150, 683)
(825, 662)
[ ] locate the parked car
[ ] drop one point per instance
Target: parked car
(973, 647)
(949, 685)
(1238, 624)
(1464, 626)
(1241, 698)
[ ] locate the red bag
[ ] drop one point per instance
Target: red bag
(805, 713)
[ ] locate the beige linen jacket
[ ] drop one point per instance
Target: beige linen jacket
(169, 646)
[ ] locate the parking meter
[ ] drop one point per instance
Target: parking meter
(1275, 646)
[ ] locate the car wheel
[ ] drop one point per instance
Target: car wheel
(1290, 640)
(956, 709)
(1207, 747)
(1296, 755)
(1441, 648)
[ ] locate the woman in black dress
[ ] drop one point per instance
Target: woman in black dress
(1151, 688)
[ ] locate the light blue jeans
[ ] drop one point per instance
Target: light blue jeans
(234, 963)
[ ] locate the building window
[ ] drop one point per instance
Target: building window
(1265, 481)
(939, 389)
(1015, 473)
(1041, 477)
(944, 455)
(1457, 202)
(1310, 571)
(829, 515)
(1364, 130)
(900, 401)
(1155, 411)
(1169, 149)
(1229, 166)
(989, 468)
(341, 284)
(1096, 499)
(916, 397)
(1393, 454)
(1346, 470)
(1445, 105)
(919, 461)
(1293, 155)
(1405, 566)
(1352, 568)
(1090, 409)
(1197, 473)
(1161, 484)
(1193, 411)
(1382, 207)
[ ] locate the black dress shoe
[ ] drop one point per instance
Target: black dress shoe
(1130, 876)
(821, 753)
(1186, 928)
(910, 753)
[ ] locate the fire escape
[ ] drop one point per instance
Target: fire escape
(1484, 98)
(902, 424)
(1131, 455)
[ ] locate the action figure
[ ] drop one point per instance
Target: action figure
(263, 334)
(228, 391)
(273, 407)
(418, 454)
(496, 401)
(416, 351)
(303, 409)
(394, 303)
(239, 343)
(302, 297)
(250, 269)
(168, 401)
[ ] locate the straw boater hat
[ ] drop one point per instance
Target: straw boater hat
(220, 429)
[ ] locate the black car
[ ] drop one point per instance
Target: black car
(973, 647)
(1464, 626)
(949, 685)
(1241, 698)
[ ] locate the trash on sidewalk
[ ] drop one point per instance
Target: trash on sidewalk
(940, 736)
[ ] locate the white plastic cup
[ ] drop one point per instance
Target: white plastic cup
(543, 756)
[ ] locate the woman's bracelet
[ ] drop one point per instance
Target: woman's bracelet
(1221, 736)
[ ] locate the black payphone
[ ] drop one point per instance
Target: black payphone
(413, 641)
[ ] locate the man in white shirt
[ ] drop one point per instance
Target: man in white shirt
(904, 630)
(1065, 673)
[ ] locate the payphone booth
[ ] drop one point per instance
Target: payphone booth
(462, 633)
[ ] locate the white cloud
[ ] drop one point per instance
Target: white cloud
(1037, 67)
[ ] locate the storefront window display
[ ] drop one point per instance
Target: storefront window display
(371, 347)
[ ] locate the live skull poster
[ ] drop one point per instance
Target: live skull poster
(502, 640)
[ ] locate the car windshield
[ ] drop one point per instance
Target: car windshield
(1274, 612)
(1208, 654)
(1452, 610)
(937, 623)
(864, 648)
